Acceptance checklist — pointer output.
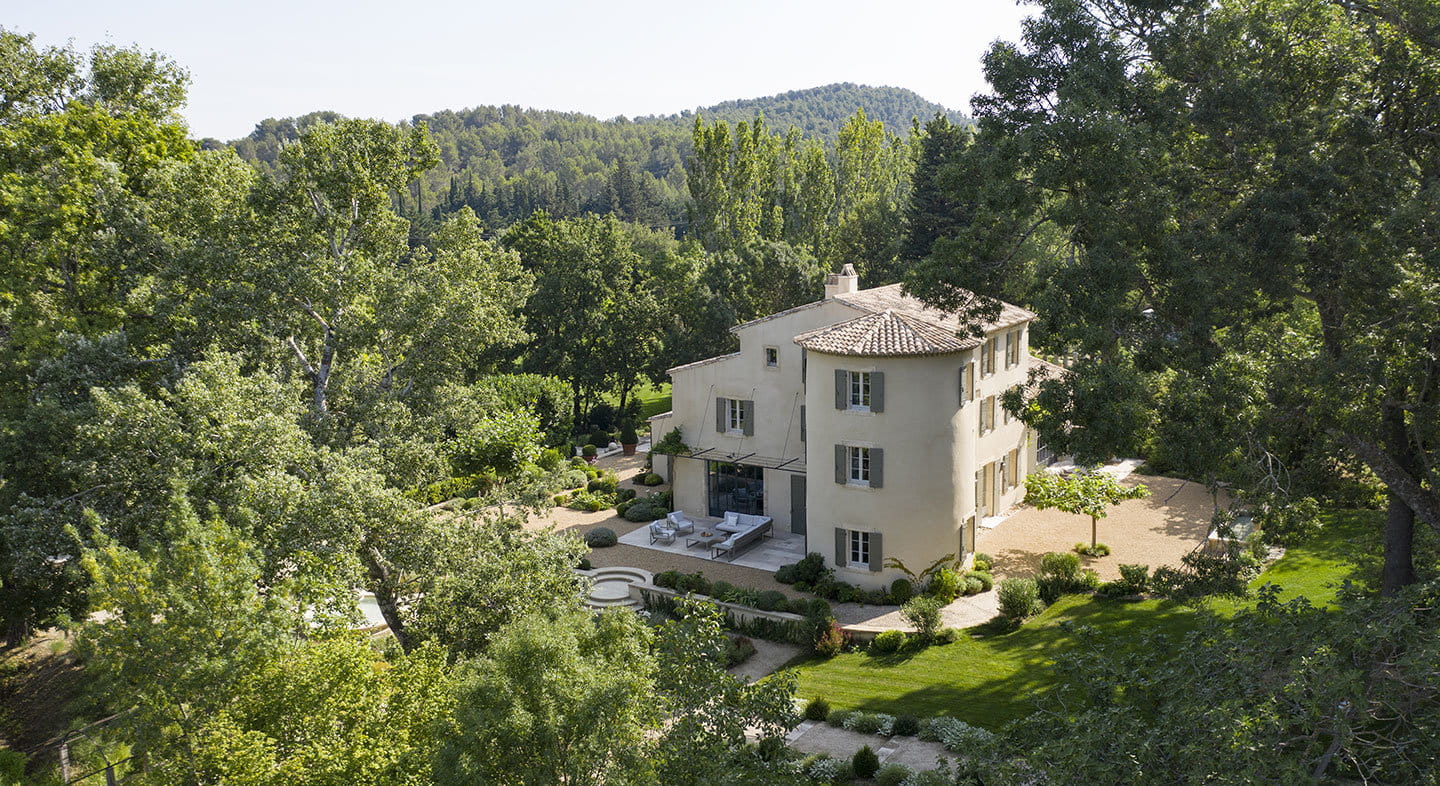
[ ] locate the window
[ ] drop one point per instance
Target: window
(1004, 474)
(859, 549)
(859, 466)
(736, 417)
(772, 357)
(987, 415)
(969, 381)
(859, 389)
(1012, 349)
(987, 357)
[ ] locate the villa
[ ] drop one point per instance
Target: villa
(865, 422)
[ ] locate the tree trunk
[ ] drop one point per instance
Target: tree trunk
(1094, 526)
(322, 373)
(382, 583)
(17, 632)
(1399, 566)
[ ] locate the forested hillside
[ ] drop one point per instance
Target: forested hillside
(505, 162)
(821, 111)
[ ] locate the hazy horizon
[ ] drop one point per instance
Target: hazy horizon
(632, 57)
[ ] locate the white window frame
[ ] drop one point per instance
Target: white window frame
(772, 357)
(858, 390)
(735, 418)
(857, 545)
(857, 465)
(987, 358)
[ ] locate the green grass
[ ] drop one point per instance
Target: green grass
(653, 399)
(989, 678)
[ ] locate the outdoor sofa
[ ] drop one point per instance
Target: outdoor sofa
(745, 530)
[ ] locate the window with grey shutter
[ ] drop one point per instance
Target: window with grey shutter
(842, 389)
(877, 552)
(877, 391)
(804, 365)
(842, 465)
(842, 547)
(722, 414)
(962, 385)
(747, 409)
(877, 467)
(802, 422)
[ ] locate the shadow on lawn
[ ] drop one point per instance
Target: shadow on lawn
(1030, 651)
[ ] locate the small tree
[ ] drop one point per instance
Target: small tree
(1088, 492)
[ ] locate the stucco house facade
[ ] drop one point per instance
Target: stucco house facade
(864, 421)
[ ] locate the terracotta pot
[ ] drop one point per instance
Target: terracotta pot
(629, 450)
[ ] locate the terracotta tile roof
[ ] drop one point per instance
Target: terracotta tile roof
(706, 361)
(887, 333)
(891, 298)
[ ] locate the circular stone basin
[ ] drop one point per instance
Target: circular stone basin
(610, 589)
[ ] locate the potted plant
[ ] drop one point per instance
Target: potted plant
(629, 440)
(589, 452)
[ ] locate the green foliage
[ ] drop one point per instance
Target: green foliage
(671, 443)
(651, 479)
(577, 688)
(1087, 492)
(901, 590)
(905, 726)
(589, 451)
(1136, 578)
(888, 641)
(471, 594)
(945, 585)
(830, 640)
(1089, 550)
(545, 397)
(923, 612)
(983, 562)
(628, 436)
(550, 460)
(1061, 565)
(893, 774)
(601, 537)
(501, 443)
(986, 580)
(865, 762)
(1019, 598)
(817, 709)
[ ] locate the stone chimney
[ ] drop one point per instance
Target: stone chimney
(842, 283)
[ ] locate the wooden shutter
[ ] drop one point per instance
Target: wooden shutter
(1009, 346)
(877, 391)
(841, 461)
(842, 548)
(962, 386)
(802, 422)
(970, 381)
(747, 410)
(804, 365)
(722, 414)
(877, 467)
(842, 389)
(877, 554)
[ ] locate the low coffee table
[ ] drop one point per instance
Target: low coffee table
(705, 538)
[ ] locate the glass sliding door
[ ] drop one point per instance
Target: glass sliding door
(735, 487)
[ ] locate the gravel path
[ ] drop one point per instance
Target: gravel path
(1154, 531)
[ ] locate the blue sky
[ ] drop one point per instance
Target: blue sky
(268, 58)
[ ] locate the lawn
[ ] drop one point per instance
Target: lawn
(990, 678)
(653, 399)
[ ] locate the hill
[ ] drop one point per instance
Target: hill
(821, 111)
(505, 162)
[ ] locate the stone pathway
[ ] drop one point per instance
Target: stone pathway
(818, 737)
